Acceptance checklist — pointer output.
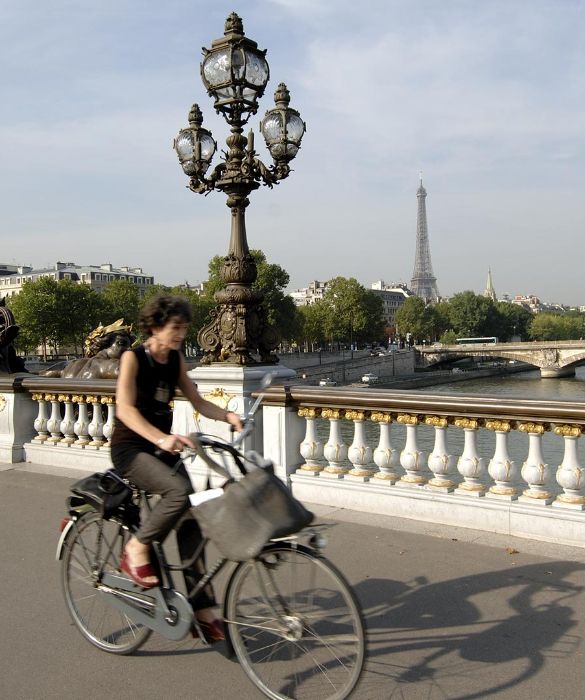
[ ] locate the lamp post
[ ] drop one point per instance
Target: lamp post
(235, 73)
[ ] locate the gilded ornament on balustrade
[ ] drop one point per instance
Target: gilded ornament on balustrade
(568, 430)
(63, 398)
(379, 417)
(50, 397)
(332, 414)
(355, 415)
(499, 426)
(534, 428)
(37, 397)
(91, 399)
(308, 412)
(466, 423)
(436, 421)
(107, 400)
(78, 398)
(407, 419)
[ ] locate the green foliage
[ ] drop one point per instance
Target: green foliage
(448, 338)
(549, 326)
(312, 324)
(472, 315)
(52, 313)
(121, 299)
(421, 321)
(351, 312)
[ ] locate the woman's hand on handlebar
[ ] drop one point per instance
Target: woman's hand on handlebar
(174, 443)
(234, 420)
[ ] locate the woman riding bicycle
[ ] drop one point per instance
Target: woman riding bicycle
(144, 451)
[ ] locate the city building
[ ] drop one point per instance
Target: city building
(96, 276)
(393, 296)
(7, 269)
(423, 282)
(309, 295)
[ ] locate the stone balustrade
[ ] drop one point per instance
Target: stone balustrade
(497, 464)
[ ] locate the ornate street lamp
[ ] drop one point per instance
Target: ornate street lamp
(235, 73)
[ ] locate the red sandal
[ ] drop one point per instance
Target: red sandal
(212, 631)
(139, 574)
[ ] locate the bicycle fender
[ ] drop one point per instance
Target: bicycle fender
(61, 543)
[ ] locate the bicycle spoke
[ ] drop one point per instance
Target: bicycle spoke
(317, 650)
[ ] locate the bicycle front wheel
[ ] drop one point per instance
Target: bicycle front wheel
(295, 625)
(94, 546)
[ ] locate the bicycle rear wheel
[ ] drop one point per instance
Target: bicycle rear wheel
(295, 625)
(94, 546)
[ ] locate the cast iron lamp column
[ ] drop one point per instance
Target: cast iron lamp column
(235, 73)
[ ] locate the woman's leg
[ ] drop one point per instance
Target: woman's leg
(153, 475)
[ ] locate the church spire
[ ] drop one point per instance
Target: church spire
(489, 291)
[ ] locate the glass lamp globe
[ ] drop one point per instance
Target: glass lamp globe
(282, 127)
(194, 145)
(235, 72)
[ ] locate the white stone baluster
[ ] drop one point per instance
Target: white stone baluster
(570, 473)
(534, 471)
(311, 447)
(335, 449)
(412, 459)
(501, 468)
(359, 452)
(67, 426)
(386, 458)
(108, 429)
(81, 425)
(441, 463)
(470, 465)
(40, 423)
(54, 422)
(96, 426)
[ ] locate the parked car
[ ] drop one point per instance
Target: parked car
(327, 381)
(370, 378)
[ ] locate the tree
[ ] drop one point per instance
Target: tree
(121, 300)
(55, 314)
(515, 320)
(419, 319)
(472, 315)
(311, 329)
(37, 313)
(84, 309)
(551, 326)
(352, 312)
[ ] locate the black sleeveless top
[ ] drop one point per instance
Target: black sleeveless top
(155, 389)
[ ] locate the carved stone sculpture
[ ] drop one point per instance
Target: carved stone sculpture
(103, 348)
(10, 363)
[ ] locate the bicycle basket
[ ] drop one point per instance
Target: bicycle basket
(251, 511)
(106, 492)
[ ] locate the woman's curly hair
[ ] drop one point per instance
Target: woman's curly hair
(160, 310)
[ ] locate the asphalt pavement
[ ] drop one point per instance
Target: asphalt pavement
(450, 613)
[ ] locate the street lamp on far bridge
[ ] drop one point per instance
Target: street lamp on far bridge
(235, 73)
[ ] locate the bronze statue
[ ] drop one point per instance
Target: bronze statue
(103, 348)
(10, 363)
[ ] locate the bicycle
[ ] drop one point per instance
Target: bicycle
(291, 619)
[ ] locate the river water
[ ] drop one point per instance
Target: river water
(521, 385)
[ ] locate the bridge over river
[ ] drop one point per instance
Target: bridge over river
(554, 359)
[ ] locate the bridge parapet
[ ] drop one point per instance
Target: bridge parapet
(470, 461)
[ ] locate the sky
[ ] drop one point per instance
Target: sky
(485, 97)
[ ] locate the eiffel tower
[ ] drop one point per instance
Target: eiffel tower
(423, 283)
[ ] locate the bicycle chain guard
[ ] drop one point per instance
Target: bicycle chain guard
(148, 607)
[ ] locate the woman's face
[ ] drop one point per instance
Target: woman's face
(172, 334)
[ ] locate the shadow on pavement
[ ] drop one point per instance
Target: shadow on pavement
(470, 637)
